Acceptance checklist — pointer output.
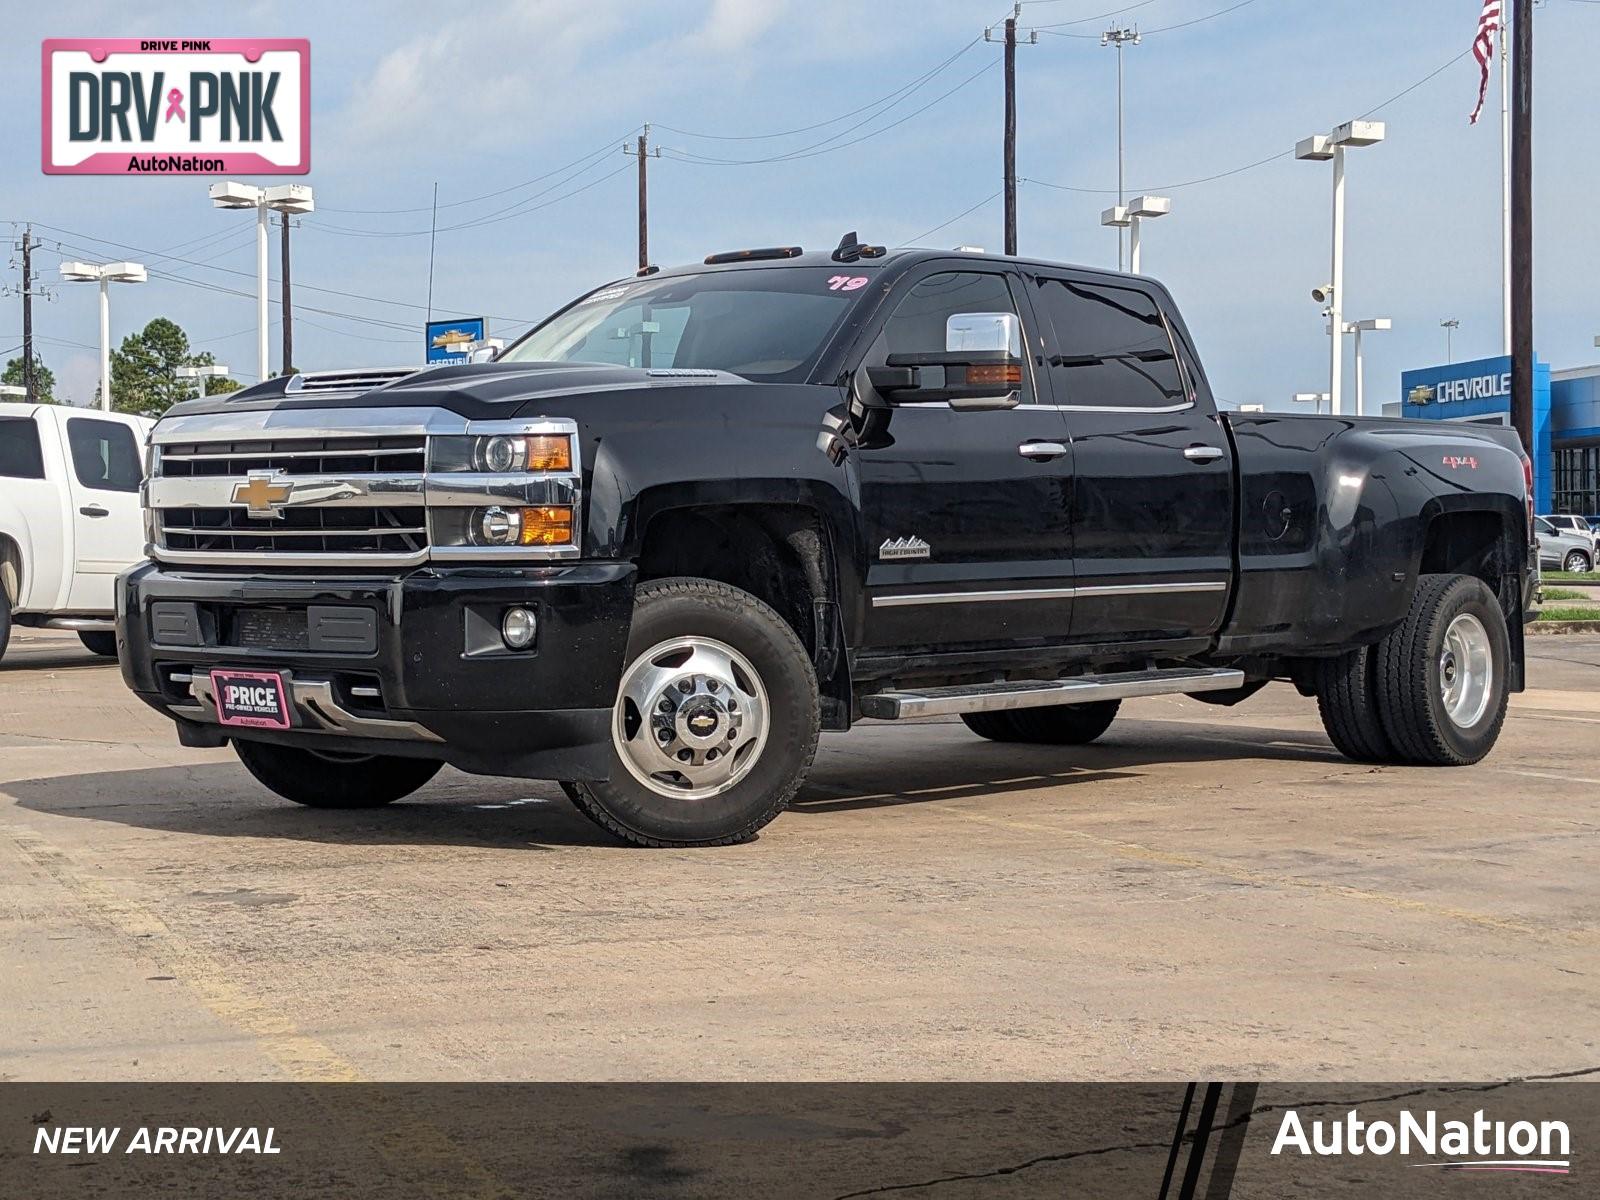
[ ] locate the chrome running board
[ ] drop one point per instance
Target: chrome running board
(1080, 689)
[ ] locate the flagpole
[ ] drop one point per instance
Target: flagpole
(1505, 184)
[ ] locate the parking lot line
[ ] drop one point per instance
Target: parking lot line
(302, 1058)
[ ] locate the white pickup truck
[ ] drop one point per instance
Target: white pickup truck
(69, 517)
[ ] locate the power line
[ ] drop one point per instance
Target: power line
(1260, 162)
(521, 208)
(1056, 32)
(881, 101)
(486, 195)
(1116, 12)
(821, 148)
(249, 275)
(989, 199)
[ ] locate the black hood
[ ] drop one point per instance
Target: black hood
(476, 391)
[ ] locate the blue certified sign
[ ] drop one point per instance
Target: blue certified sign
(447, 341)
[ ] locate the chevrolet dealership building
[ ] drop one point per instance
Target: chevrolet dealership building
(1566, 421)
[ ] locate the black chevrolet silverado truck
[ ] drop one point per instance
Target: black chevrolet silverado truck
(700, 515)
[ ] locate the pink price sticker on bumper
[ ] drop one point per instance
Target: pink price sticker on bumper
(170, 106)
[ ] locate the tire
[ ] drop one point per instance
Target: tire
(99, 641)
(1576, 562)
(700, 633)
(1049, 725)
(1347, 698)
(1452, 618)
(5, 620)
(330, 780)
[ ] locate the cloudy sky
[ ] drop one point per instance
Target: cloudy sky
(792, 121)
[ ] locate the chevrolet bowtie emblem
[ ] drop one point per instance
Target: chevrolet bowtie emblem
(262, 496)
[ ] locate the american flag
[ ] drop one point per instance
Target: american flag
(1483, 48)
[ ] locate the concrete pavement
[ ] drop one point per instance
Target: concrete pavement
(1206, 892)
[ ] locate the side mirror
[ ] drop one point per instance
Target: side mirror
(980, 367)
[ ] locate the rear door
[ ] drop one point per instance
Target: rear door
(27, 453)
(104, 472)
(1152, 482)
(966, 512)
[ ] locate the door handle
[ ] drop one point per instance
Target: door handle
(94, 510)
(1041, 451)
(1203, 454)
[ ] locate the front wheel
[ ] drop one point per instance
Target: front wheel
(1576, 563)
(333, 779)
(715, 723)
(1442, 674)
(99, 641)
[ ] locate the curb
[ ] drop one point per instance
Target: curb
(1558, 627)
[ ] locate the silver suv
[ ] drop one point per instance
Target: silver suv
(1563, 545)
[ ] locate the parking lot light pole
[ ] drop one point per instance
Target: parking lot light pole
(1314, 399)
(105, 274)
(202, 373)
(1357, 328)
(1129, 216)
(294, 199)
(1321, 148)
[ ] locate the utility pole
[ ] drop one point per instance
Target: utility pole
(29, 383)
(1119, 37)
(642, 151)
(1008, 147)
(1522, 223)
(288, 312)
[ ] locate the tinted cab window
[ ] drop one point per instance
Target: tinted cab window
(1112, 348)
(20, 455)
(105, 455)
(919, 319)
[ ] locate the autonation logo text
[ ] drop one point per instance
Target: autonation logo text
(1476, 1145)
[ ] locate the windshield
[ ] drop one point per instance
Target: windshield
(768, 325)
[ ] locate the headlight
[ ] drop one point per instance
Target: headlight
(503, 453)
(549, 525)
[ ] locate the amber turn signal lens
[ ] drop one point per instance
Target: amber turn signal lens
(549, 452)
(548, 525)
(1001, 373)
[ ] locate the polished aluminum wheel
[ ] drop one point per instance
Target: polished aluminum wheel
(691, 718)
(1466, 671)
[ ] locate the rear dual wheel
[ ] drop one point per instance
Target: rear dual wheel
(1433, 692)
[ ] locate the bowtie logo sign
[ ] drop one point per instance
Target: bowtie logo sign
(175, 105)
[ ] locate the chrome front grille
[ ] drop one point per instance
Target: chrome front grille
(341, 488)
(296, 456)
(363, 530)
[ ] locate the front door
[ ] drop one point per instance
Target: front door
(104, 473)
(1152, 487)
(966, 513)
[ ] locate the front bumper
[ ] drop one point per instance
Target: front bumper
(422, 680)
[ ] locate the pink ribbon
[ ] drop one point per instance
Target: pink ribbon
(175, 105)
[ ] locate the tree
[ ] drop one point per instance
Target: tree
(44, 379)
(144, 372)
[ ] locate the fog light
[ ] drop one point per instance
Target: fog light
(518, 627)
